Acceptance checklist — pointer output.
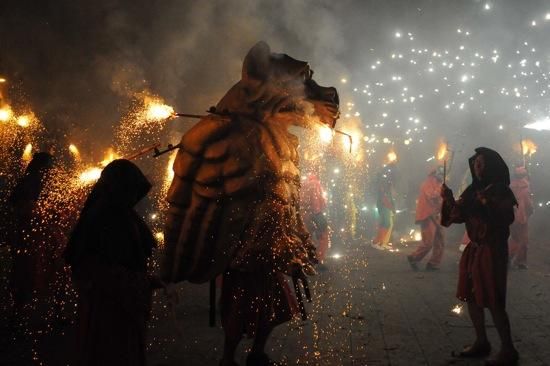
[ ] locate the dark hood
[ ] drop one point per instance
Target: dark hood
(32, 182)
(110, 206)
(122, 183)
(496, 170)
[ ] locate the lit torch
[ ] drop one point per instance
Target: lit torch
(23, 121)
(528, 147)
(110, 156)
(391, 157)
(156, 111)
(74, 152)
(27, 153)
(90, 175)
(5, 113)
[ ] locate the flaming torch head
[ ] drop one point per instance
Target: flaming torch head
(156, 111)
(528, 147)
(5, 114)
(23, 121)
(391, 157)
(74, 152)
(442, 152)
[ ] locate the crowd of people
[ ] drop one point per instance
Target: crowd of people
(110, 246)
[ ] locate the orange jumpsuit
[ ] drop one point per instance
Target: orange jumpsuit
(427, 212)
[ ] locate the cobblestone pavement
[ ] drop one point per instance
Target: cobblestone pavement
(368, 308)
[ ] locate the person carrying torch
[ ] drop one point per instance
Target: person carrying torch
(428, 207)
(487, 209)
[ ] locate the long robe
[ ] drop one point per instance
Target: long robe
(484, 262)
(108, 253)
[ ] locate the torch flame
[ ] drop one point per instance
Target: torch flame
(157, 111)
(392, 156)
(442, 151)
(5, 113)
(74, 151)
(24, 120)
(528, 147)
(90, 175)
(109, 156)
(27, 153)
(325, 134)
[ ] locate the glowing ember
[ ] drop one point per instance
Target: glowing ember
(2, 80)
(336, 256)
(457, 309)
(27, 153)
(158, 112)
(528, 147)
(5, 114)
(90, 175)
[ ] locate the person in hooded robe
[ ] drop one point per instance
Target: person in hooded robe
(428, 207)
(519, 231)
(108, 253)
(487, 209)
(26, 242)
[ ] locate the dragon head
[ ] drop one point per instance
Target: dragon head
(277, 87)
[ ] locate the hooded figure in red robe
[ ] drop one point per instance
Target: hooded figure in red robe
(487, 209)
(108, 253)
(519, 231)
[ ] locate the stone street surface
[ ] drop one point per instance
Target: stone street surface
(369, 308)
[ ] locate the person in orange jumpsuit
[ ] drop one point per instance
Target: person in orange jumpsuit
(519, 237)
(428, 207)
(487, 209)
(313, 205)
